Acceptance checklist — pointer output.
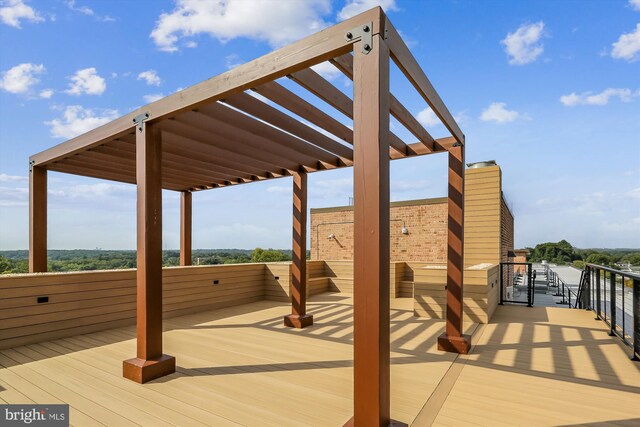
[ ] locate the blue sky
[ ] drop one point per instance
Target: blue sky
(548, 89)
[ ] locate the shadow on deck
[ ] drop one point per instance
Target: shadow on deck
(240, 366)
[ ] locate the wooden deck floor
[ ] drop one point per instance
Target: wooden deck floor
(240, 366)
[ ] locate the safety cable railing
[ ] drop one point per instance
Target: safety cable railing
(605, 293)
(563, 290)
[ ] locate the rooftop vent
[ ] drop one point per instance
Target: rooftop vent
(478, 165)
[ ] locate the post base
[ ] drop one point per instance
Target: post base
(458, 345)
(298, 322)
(142, 371)
(392, 423)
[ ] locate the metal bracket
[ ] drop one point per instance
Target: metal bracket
(365, 33)
(31, 164)
(140, 119)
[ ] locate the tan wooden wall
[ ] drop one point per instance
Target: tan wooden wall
(482, 215)
(277, 279)
(91, 301)
(480, 292)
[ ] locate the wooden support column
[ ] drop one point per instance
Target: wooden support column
(185, 228)
(37, 220)
(453, 340)
(371, 235)
(150, 363)
(299, 317)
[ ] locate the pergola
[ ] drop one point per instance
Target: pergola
(214, 135)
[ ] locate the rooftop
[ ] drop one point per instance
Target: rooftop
(240, 366)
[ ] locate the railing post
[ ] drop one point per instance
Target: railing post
(586, 300)
(529, 283)
(598, 306)
(612, 302)
(501, 287)
(636, 320)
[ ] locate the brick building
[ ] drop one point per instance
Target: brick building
(419, 227)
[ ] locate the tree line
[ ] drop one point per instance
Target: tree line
(86, 260)
(563, 253)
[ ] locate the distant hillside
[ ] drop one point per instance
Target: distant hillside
(17, 261)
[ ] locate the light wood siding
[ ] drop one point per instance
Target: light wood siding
(340, 274)
(482, 215)
(85, 302)
(277, 279)
(480, 292)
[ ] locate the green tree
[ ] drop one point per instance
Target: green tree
(268, 255)
(600, 259)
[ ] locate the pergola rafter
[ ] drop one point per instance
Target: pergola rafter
(215, 134)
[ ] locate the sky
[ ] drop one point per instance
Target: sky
(550, 90)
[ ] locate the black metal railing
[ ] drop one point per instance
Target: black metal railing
(563, 290)
(510, 278)
(621, 323)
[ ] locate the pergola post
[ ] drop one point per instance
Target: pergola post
(185, 228)
(371, 304)
(453, 340)
(299, 317)
(37, 220)
(150, 362)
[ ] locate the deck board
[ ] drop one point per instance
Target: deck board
(241, 366)
(545, 367)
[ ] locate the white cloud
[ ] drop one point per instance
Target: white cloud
(497, 112)
(523, 45)
(602, 98)
(274, 21)
(332, 188)
(86, 81)
(628, 46)
(151, 77)
(13, 178)
(279, 190)
(46, 93)
(12, 11)
(152, 97)
(77, 120)
(428, 118)
(402, 186)
(635, 4)
(232, 61)
(327, 70)
(101, 189)
(21, 78)
(14, 197)
(85, 10)
(354, 7)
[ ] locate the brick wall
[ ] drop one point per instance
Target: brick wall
(488, 226)
(426, 221)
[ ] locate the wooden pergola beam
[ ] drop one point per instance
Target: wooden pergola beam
(292, 102)
(183, 153)
(407, 63)
(453, 340)
(324, 90)
(185, 227)
(316, 48)
(298, 289)
(298, 149)
(345, 64)
(150, 362)
(263, 111)
(37, 220)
